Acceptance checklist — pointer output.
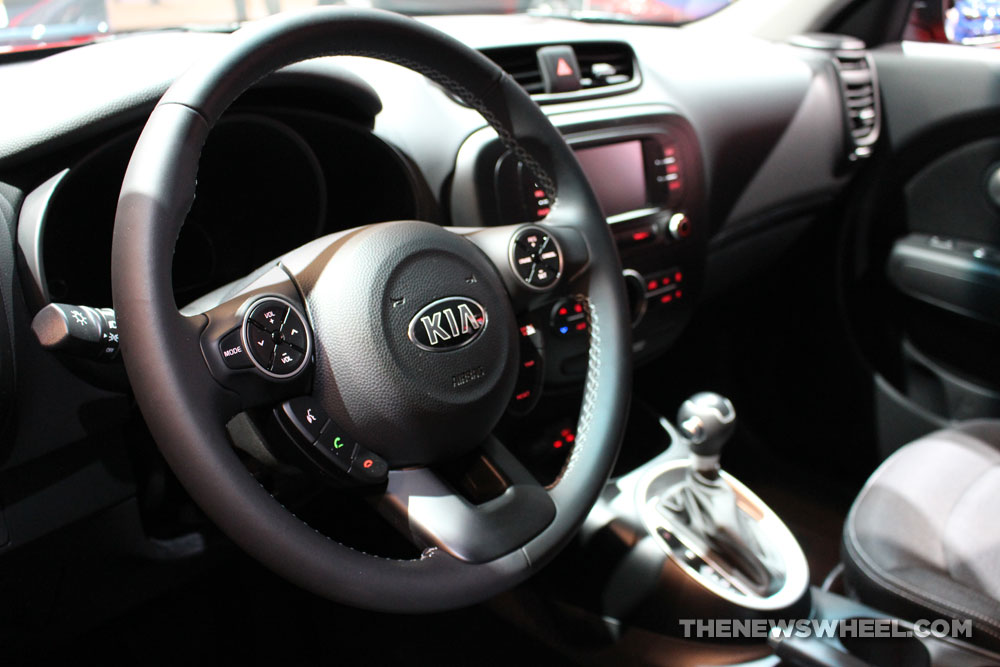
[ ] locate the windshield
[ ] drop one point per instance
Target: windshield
(30, 24)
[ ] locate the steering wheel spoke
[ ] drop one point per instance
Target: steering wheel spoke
(533, 259)
(425, 507)
(257, 340)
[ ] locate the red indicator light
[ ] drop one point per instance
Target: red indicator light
(563, 68)
(542, 212)
(523, 395)
(368, 463)
(557, 444)
(577, 308)
(530, 363)
(666, 298)
(678, 294)
(581, 326)
(651, 285)
(540, 193)
(675, 185)
(640, 236)
(570, 437)
(563, 311)
(669, 151)
(665, 281)
(672, 169)
(679, 277)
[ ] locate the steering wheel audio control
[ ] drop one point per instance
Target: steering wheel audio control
(275, 335)
(536, 257)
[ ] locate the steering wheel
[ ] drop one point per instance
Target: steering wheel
(376, 352)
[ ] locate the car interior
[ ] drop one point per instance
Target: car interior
(456, 333)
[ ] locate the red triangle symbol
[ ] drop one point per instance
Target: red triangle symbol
(563, 68)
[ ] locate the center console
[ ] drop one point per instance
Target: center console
(645, 167)
(679, 563)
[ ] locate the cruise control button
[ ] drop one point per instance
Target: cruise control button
(535, 257)
(305, 417)
(233, 354)
(368, 467)
(337, 446)
(269, 315)
(544, 275)
(261, 345)
(293, 331)
(286, 359)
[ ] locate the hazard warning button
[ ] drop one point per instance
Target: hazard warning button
(560, 71)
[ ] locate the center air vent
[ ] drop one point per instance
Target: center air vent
(862, 107)
(605, 64)
(605, 68)
(521, 62)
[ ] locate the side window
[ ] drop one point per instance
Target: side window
(966, 22)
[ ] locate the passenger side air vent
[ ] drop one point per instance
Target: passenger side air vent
(600, 68)
(858, 87)
(862, 107)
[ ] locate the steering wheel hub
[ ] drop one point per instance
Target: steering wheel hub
(416, 341)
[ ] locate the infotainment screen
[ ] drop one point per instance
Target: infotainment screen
(617, 174)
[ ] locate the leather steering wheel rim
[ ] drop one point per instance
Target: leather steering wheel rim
(182, 404)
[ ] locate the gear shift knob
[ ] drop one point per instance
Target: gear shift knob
(707, 420)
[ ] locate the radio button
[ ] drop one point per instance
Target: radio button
(287, 359)
(293, 331)
(261, 345)
(232, 351)
(269, 315)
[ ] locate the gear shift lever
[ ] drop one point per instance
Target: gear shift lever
(708, 421)
(706, 502)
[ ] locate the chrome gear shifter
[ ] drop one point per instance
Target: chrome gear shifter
(708, 421)
(706, 504)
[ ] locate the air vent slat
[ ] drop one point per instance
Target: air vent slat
(860, 99)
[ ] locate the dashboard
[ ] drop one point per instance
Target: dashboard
(696, 151)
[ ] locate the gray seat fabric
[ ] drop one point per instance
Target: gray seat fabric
(922, 540)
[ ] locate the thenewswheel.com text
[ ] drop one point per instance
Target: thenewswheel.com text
(862, 628)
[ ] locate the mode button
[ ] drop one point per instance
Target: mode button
(233, 354)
